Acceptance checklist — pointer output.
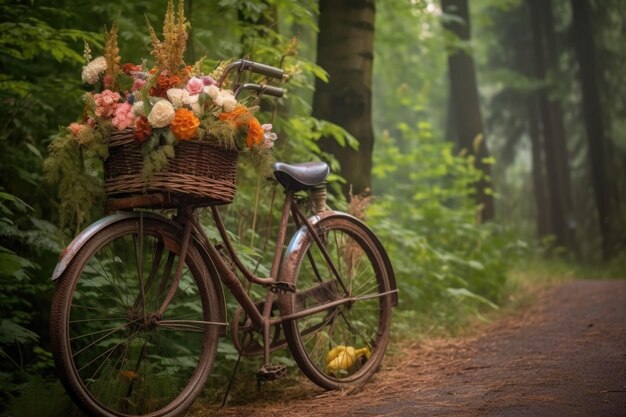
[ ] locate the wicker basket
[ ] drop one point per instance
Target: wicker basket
(202, 170)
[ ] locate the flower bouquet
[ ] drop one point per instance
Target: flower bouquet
(162, 128)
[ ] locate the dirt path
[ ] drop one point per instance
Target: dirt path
(565, 356)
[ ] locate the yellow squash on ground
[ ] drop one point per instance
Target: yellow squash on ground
(343, 358)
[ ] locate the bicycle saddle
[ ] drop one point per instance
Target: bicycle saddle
(298, 177)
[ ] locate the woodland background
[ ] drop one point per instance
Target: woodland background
(490, 134)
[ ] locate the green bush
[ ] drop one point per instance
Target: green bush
(445, 261)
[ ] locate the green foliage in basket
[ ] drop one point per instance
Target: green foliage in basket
(75, 165)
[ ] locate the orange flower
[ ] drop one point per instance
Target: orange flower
(185, 124)
(184, 73)
(239, 116)
(255, 133)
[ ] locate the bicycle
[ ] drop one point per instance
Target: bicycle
(130, 338)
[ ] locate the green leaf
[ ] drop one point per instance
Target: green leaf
(34, 150)
(465, 293)
(10, 263)
(11, 332)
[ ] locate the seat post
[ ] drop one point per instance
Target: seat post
(318, 196)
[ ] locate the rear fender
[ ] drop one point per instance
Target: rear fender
(298, 240)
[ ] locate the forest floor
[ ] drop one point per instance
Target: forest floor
(565, 355)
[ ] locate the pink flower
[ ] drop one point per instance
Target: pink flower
(123, 116)
(208, 80)
(138, 84)
(268, 136)
(107, 81)
(106, 103)
(195, 85)
(76, 128)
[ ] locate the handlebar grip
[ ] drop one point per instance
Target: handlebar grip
(262, 89)
(265, 69)
(273, 91)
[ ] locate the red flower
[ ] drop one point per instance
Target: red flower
(128, 68)
(163, 84)
(143, 130)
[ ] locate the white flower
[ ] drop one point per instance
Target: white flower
(139, 109)
(91, 72)
(229, 104)
(162, 114)
(196, 108)
(212, 91)
(224, 96)
(178, 96)
(191, 100)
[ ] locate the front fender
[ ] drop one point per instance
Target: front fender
(72, 249)
(298, 239)
(83, 237)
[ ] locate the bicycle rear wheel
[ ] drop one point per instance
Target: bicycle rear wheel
(114, 354)
(344, 344)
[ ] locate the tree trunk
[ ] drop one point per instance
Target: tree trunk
(345, 49)
(542, 200)
(562, 218)
(603, 185)
(467, 120)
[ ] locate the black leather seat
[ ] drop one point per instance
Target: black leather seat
(302, 176)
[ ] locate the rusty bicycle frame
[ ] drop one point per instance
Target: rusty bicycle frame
(261, 320)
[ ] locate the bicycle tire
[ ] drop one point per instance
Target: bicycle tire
(113, 355)
(360, 324)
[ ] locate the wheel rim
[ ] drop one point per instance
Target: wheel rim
(343, 343)
(126, 359)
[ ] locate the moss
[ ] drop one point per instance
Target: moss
(77, 169)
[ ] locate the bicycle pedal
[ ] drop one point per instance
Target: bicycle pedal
(271, 372)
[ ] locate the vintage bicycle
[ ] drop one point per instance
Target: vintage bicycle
(139, 305)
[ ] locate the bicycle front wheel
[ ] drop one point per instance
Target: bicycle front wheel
(343, 343)
(115, 355)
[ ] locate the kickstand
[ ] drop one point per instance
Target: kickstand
(232, 380)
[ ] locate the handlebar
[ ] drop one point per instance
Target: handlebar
(243, 64)
(261, 89)
(263, 69)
